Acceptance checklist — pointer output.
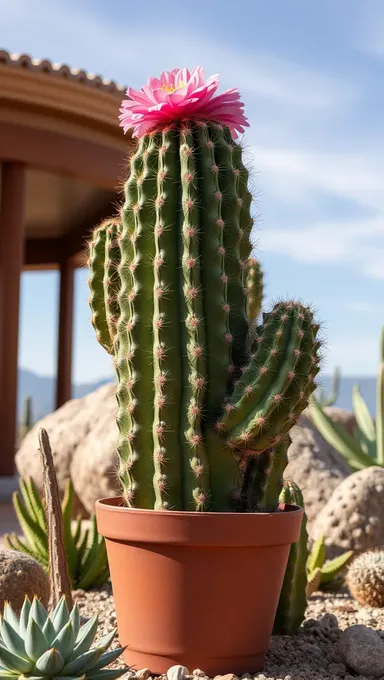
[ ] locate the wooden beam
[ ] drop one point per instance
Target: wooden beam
(42, 253)
(12, 222)
(98, 164)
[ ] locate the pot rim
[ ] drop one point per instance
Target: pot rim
(111, 504)
(204, 529)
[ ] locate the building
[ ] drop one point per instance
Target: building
(62, 155)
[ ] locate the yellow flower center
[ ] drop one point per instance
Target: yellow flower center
(172, 88)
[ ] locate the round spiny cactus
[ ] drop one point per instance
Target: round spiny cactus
(42, 646)
(365, 578)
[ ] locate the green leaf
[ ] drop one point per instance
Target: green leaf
(83, 662)
(38, 612)
(35, 641)
(37, 504)
(8, 675)
(107, 658)
(65, 640)
(15, 543)
(316, 558)
(367, 429)
(12, 640)
(35, 536)
(96, 561)
(50, 663)
(333, 567)
(13, 662)
(10, 616)
(60, 615)
(337, 437)
(49, 631)
(85, 637)
(24, 616)
(75, 618)
(70, 545)
(105, 641)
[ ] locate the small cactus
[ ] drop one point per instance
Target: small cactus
(365, 578)
(322, 574)
(47, 646)
(27, 418)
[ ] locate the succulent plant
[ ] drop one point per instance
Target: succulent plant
(174, 295)
(365, 578)
(41, 646)
(331, 399)
(325, 574)
(85, 549)
(366, 447)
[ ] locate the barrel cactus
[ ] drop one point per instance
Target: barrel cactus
(365, 578)
(206, 394)
(41, 646)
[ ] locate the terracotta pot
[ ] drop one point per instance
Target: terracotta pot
(196, 589)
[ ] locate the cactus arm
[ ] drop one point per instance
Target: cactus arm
(96, 287)
(293, 601)
(338, 438)
(195, 461)
(366, 426)
(254, 289)
(111, 281)
(313, 582)
(273, 476)
(380, 405)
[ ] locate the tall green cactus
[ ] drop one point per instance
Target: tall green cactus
(170, 286)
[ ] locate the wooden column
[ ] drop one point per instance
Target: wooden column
(65, 337)
(12, 225)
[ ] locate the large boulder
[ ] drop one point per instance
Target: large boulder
(314, 465)
(21, 575)
(67, 428)
(353, 518)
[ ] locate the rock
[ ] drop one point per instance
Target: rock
(21, 575)
(353, 518)
(227, 676)
(362, 650)
(143, 674)
(67, 428)
(199, 673)
(177, 673)
(315, 466)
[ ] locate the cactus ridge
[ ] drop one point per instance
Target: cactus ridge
(170, 286)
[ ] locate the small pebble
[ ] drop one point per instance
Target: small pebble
(143, 674)
(177, 673)
(228, 676)
(363, 650)
(198, 673)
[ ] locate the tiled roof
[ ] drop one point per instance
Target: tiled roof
(60, 71)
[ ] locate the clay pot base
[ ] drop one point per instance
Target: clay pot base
(196, 589)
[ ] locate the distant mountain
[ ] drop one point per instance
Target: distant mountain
(42, 391)
(367, 389)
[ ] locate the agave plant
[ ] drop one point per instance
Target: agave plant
(40, 646)
(85, 549)
(366, 447)
(331, 399)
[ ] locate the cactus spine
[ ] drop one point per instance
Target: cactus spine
(195, 407)
(365, 578)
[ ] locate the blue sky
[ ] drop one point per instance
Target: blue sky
(311, 76)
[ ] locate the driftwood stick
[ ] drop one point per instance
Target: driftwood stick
(58, 567)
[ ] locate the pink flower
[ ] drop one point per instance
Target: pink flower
(181, 94)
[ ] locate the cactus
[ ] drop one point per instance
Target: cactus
(194, 405)
(85, 549)
(365, 578)
(41, 645)
(330, 400)
(322, 574)
(293, 599)
(27, 418)
(366, 447)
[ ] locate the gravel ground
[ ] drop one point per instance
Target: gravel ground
(312, 654)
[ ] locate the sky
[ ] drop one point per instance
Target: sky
(311, 78)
